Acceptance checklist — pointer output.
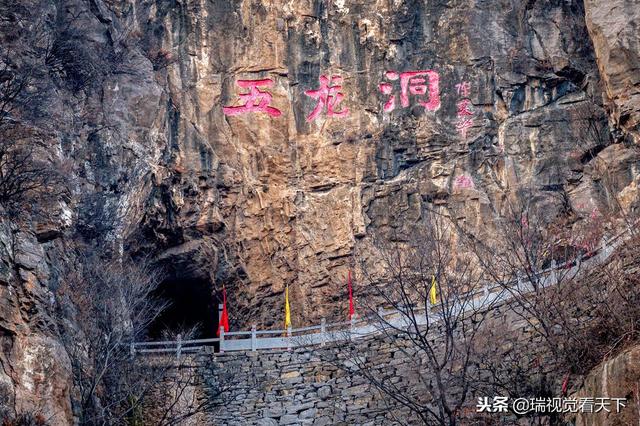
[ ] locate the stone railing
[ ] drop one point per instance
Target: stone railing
(486, 298)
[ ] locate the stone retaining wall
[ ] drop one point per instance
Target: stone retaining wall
(300, 387)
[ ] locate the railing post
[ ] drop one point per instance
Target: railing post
(289, 338)
(179, 348)
(220, 327)
(254, 341)
(351, 323)
(323, 331)
(132, 350)
(554, 276)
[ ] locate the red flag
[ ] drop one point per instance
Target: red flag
(352, 310)
(565, 385)
(224, 319)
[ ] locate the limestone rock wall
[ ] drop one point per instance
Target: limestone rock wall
(298, 388)
(35, 372)
(129, 96)
(293, 200)
(615, 377)
(613, 26)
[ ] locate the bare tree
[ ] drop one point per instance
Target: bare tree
(106, 305)
(25, 166)
(577, 315)
(438, 343)
(13, 85)
(558, 330)
(110, 306)
(23, 170)
(522, 245)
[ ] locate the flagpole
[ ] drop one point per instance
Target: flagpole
(223, 322)
(287, 309)
(351, 306)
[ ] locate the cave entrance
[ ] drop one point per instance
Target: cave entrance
(191, 305)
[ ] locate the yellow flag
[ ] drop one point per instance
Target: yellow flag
(287, 311)
(433, 298)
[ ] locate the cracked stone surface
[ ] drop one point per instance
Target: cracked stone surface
(257, 202)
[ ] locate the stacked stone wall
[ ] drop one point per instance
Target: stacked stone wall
(302, 387)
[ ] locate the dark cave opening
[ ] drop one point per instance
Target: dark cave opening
(191, 304)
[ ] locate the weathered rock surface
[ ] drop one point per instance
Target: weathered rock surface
(35, 373)
(256, 202)
(292, 201)
(615, 378)
(614, 27)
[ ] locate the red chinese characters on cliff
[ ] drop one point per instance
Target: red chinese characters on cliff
(421, 87)
(464, 107)
(464, 182)
(328, 96)
(417, 83)
(255, 100)
(463, 89)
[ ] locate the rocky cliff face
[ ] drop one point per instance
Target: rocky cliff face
(614, 378)
(616, 48)
(519, 104)
(132, 96)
